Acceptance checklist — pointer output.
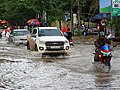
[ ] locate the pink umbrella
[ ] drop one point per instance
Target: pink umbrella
(4, 22)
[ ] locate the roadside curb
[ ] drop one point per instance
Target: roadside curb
(81, 42)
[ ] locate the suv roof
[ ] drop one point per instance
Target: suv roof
(20, 30)
(47, 27)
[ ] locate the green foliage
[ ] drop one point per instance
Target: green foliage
(78, 32)
(16, 12)
(20, 11)
(115, 23)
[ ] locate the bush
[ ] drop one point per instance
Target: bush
(115, 23)
(78, 32)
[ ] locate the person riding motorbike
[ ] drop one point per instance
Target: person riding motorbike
(99, 43)
(69, 35)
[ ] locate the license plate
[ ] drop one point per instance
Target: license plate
(54, 47)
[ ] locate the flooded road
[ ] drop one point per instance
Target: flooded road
(21, 69)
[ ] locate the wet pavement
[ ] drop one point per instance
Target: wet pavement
(21, 69)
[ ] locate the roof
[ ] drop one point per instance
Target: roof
(20, 30)
(47, 27)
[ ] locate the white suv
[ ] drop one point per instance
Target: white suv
(47, 40)
(18, 36)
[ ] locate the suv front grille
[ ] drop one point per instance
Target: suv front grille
(54, 45)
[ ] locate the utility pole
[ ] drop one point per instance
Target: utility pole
(78, 13)
(71, 16)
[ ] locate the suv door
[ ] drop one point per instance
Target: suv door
(32, 39)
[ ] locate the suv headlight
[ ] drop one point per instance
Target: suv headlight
(16, 39)
(41, 42)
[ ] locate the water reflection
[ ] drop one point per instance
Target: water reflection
(103, 81)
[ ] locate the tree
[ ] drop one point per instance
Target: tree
(19, 11)
(115, 24)
(56, 10)
(16, 11)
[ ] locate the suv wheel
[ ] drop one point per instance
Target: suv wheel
(10, 40)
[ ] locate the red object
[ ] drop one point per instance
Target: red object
(35, 23)
(7, 30)
(70, 40)
(4, 22)
(106, 50)
(64, 29)
(29, 21)
(103, 22)
(98, 26)
(100, 57)
(10, 28)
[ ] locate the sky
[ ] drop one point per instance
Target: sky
(105, 3)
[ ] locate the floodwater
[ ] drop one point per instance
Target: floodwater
(21, 69)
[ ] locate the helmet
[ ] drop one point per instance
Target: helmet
(102, 34)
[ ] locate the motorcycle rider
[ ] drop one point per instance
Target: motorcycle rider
(99, 43)
(69, 35)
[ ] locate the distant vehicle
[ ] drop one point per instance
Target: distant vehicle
(18, 36)
(47, 40)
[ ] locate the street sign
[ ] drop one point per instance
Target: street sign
(105, 6)
(115, 7)
(103, 22)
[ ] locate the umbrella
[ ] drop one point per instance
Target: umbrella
(29, 21)
(4, 22)
(35, 23)
(98, 17)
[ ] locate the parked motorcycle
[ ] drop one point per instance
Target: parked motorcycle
(104, 57)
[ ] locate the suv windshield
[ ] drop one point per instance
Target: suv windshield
(49, 32)
(20, 33)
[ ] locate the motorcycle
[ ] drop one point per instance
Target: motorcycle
(71, 42)
(69, 37)
(104, 57)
